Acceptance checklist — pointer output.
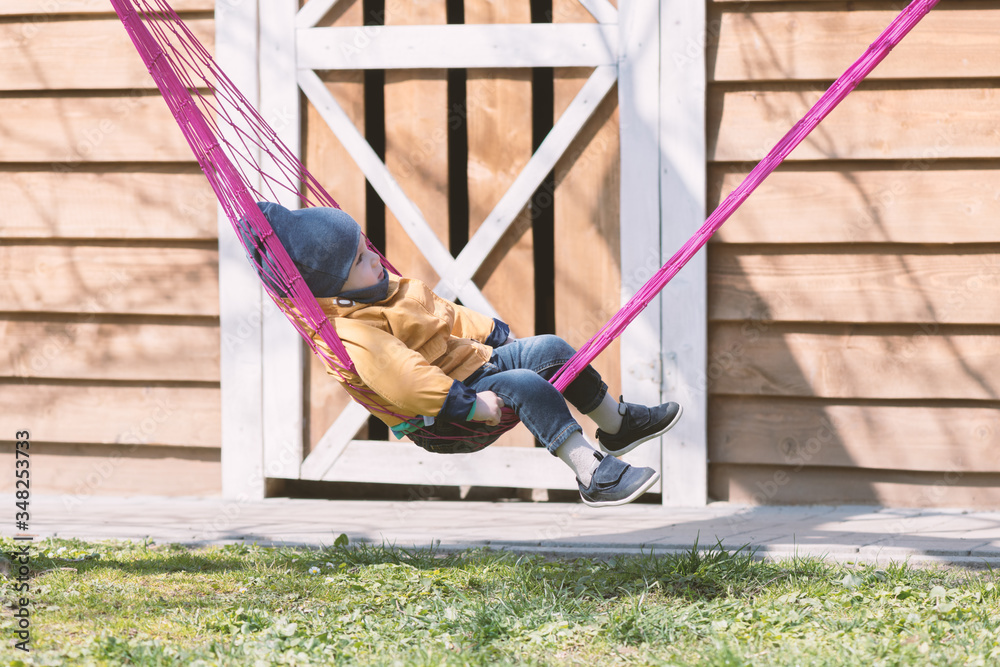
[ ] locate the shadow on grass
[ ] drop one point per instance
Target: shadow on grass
(695, 575)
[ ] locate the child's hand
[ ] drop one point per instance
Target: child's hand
(488, 406)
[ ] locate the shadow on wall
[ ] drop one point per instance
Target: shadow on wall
(851, 338)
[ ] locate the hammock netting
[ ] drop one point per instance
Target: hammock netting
(245, 162)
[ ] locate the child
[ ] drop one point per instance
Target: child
(436, 364)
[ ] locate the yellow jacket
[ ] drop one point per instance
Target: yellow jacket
(412, 349)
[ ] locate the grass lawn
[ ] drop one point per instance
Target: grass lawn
(117, 603)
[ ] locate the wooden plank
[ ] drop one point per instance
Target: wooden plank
(325, 156)
(67, 131)
(85, 349)
(870, 4)
(282, 347)
(939, 285)
(98, 279)
(723, 3)
(45, 9)
(603, 11)
(680, 182)
(920, 125)
(930, 437)
(174, 416)
(468, 46)
(843, 361)
(641, 230)
(819, 45)
(314, 11)
(847, 486)
(345, 429)
(241, 312)
(556, 143)
(78, 55)
(498, 117)
(587, 273)
(80, 471)
(412, 222)
(416, 144)
(587, 217)
(331, 164)
(405, 463)
(743, 2)
(148, 204)
(852, 204)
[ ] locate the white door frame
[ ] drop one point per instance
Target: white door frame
(661, 110)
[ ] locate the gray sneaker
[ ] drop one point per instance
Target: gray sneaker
(616, 483)
(639, 424)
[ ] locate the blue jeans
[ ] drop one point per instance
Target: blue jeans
(519, 373)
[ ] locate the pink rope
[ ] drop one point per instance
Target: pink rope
(224, 132)
(840, 89)
(182, 68)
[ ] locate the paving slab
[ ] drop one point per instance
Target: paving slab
(837, 533)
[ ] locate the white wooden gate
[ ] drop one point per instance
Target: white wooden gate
(271, 49)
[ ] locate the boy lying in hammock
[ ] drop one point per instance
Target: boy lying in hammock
(433, 364)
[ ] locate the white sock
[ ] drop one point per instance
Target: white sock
(607, 415)
(577, 453)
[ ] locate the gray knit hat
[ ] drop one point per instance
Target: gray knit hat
(322, 242)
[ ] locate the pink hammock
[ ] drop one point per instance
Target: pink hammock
(222, 129)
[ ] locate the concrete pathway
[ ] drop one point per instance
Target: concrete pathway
(846, 533)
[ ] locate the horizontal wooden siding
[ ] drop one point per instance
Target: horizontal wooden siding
(853, 345)
(109, 296)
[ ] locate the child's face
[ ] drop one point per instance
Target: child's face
(366, 271)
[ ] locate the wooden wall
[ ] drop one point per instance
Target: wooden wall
(109, 249)
(496, 119)
(854, 300)
(108, 262)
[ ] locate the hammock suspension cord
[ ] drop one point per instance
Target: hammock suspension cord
(224, 131)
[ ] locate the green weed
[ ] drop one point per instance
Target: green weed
(122, 603)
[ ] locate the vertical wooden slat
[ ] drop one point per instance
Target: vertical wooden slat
(240, 290)
(332, 166)
(283, 349)
(640, 213)
(498, 118)
(416, 147)
(587, 271)
(682, 186)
